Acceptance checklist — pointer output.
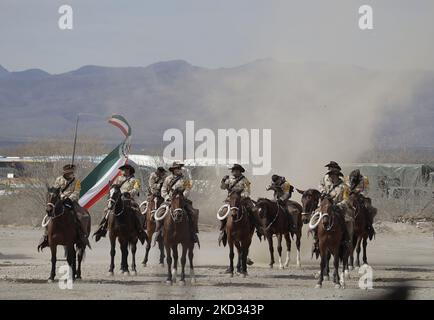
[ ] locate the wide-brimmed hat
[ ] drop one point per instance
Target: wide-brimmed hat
(161, 169)
(333, 165)
(237, 166)
(69, 168)
(334, 171)
(176, 165)
(127, 167)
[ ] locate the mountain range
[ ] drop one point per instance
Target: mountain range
(393, 108)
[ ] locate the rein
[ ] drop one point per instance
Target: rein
(113, 211)
(275, 218)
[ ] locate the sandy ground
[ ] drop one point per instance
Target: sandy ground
(397, 254)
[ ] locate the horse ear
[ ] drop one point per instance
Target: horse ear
(299, 191)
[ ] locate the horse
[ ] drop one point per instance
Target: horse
(150, 207)
(176, 230)
(274, 220)
(330, 234)
(62, 230)
(121, 226)
(239, 230)
(360, 232)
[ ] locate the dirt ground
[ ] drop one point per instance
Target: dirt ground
(399, 254)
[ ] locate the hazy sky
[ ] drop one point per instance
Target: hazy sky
(218, 33)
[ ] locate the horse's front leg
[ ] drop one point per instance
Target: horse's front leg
(80, 254)
(359, 240)
(133, 256)
(112, 255)
(271, 249)
(240, 253)
(288, 249)
(336, 272)
(322, 267)
(279, 249)
(183, 261)
(124, 258)
(231, 257)
(161, 247)
(169, 264)
(190, 258)
(53, 249)
(71, 258)
(148, 247)
(175, 262)
(365, 244)
(298, 245)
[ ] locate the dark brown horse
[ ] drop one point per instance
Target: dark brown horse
(274, 220)
(62, 230)
(121, 226)
(330, 234)
(309, 201)
(176, 230)
(360, 232)
(239, 230)
(148, 210)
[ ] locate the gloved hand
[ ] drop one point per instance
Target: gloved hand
(225, 178)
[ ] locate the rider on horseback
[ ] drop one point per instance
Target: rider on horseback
(359, 185)
(237, 182)
(130, 188)
(333, 185)
(177, 181)
(282, 193)
(69, 187)
(155, 183)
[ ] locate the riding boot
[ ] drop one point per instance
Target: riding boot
(83, 240)
(193, 229)
(223, 238)
(141, 234)
(102, 229)
(43, 242)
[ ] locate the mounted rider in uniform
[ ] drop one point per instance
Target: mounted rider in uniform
(282, 193)
(155, 183)
(333, 185)
(130, 189)
(238, 183)
(70, 187)
(359, 184)
(177, 181)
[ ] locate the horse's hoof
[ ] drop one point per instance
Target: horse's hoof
(126, 273)
(161, 264)
(318, 286)
(144, 264)
(337, 286)
(281, 267)
(271, 266)
(50, 280)
(326, 278)
(244, 274)
(77, 278)
(182, 282)
(231, 275)
(169, 282)
(299, 265)
(347, 274)
(110, 274)
(316, 275)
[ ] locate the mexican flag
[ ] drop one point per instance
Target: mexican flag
(97, 182)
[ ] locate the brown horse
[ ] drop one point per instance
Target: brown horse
(176, 230)
(360, 232)
(62, 230)
(274, 220)
(330, 234)
(121, 226)
(148, 211)
(239, 230)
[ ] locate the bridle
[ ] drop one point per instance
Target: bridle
(115, 202)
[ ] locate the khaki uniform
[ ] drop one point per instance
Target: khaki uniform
(169, 186)
(130, 185)
(73, 190)
(281, 191)
(241, 186)
(155, 183)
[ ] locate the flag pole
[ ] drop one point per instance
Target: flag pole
(75, 139)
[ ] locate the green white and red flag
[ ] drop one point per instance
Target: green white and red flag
(97, 182)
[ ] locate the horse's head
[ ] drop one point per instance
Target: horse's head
(325, 208)
(177, 205)
(264, 213)
(235, 204)
(114, 196)
(309, 201)
(53, 196)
